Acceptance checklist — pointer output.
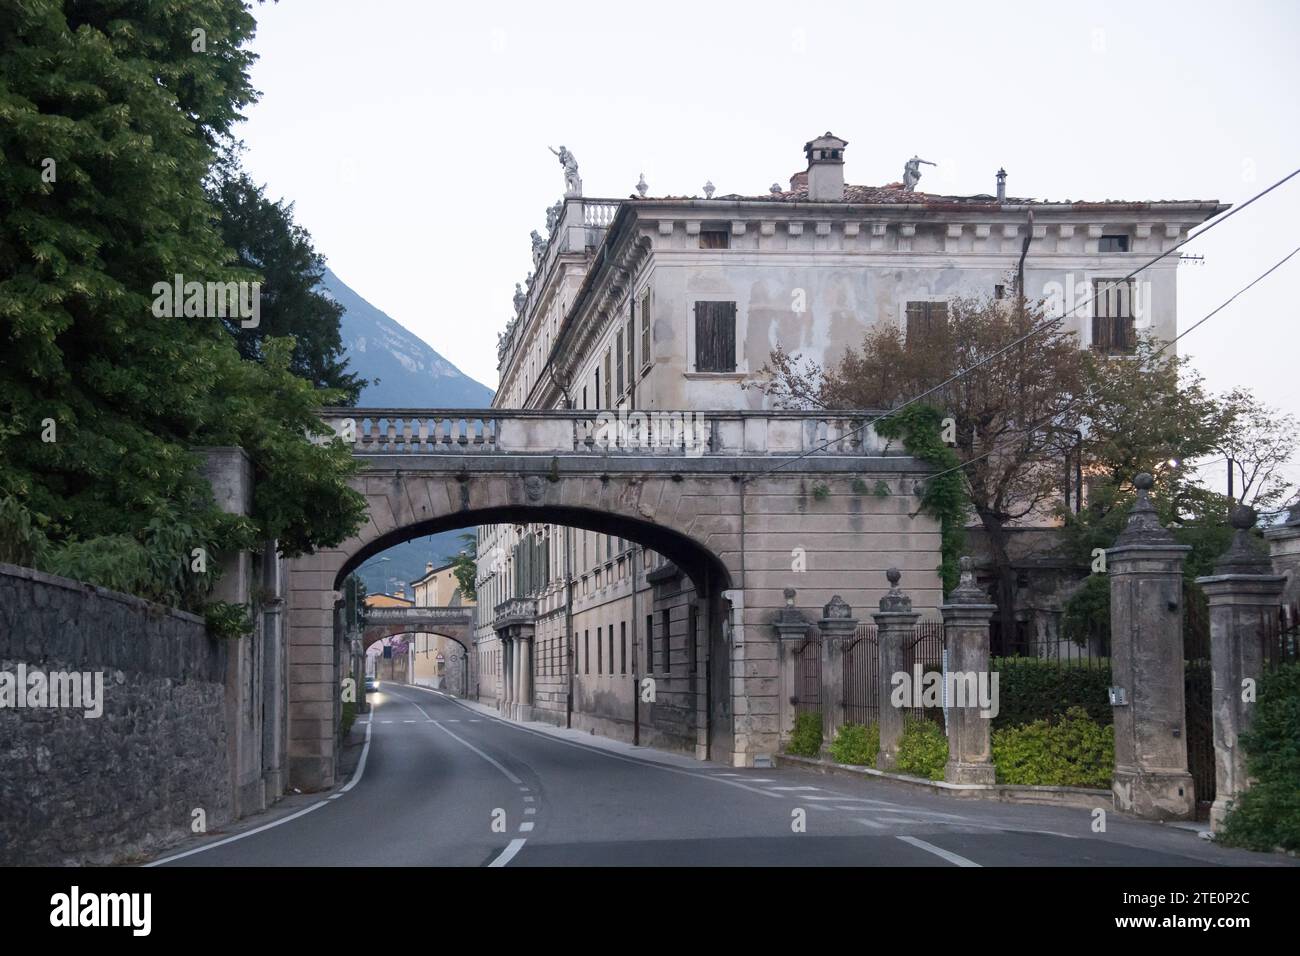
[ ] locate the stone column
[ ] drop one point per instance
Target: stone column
(1243, 592)
(791, 631)
(895, 624)
(229, 471)
(507, 676)
(837, 626)
(1146, 634)
(525, 677)
(966, 634)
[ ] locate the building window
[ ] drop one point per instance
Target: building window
(645, 328)
(597, 396)
(715, 336)
(609, 396)
(611, 648)
(715, 239)
(925, 320)
(1112, 317)
(584, 396)
(999, 291)
(586, 651)
(622, 647)
(618, 362)
(1113, 244)
(666, 621)
(630, 338)
(600, 653)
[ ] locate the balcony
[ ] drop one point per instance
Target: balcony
(514, 611)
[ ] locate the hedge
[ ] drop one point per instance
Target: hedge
(1267, 816)
(1033, 688)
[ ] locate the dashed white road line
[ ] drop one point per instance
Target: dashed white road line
(938, 851)
(794, 789)
(869, 823)
(526, 827)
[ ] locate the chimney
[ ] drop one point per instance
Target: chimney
(1002, 185)
(428, 566)
(825, 168)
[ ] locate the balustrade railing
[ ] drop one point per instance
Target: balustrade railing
(387, 431)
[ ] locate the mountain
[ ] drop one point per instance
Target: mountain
(404, 372)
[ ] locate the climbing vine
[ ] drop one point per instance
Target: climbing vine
(943, 495)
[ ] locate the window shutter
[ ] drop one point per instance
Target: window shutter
(715, 336)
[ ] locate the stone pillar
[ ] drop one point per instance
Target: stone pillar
(1146, 634)
(1243, 592)
(229, 471)
(966, 635)
(791, 631)
(837, 626)
(1284, 545)
(525, 677)
(507, 676)
(895, 624)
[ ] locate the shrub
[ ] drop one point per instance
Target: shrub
(1031, 688)
(1073, 751)
(923, 749)
(856, 744)
(1268, 814)
(347, 718)
(806, 740)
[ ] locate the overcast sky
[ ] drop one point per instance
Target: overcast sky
(413, 135)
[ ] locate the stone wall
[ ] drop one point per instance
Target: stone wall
(78, 789)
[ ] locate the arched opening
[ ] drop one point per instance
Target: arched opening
(455, 675)
(651, 663)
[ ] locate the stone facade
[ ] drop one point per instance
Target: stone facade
(76, 789)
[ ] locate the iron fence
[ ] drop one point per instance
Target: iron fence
(808, 673)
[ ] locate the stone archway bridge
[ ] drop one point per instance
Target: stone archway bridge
(745, 503)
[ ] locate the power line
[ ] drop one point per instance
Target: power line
(1046, 324)
(1277, 265)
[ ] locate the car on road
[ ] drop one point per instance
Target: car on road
(372, 683)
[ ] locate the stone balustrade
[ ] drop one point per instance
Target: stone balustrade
(377, 616)
(599, 213)
(397, 431)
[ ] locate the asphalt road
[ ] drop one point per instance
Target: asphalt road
(445, 784)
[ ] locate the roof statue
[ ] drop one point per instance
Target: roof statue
(572, 182)
(912, 172)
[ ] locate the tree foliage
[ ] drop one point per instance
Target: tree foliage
(111, 119)
(277, 252)
(1012, 410)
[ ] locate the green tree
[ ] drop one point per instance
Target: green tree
(277, 252)
(110, 121)
(1012, 412)
(465, 567)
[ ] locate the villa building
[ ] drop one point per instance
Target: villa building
(673, 304)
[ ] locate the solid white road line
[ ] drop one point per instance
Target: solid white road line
(356, 777)
(509, 852)
(509, 776)
(715, 777)
(938, 851)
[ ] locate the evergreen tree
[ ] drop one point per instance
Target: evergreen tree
(278, 252)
